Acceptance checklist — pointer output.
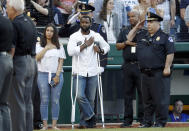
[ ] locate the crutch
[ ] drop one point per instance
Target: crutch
(100, 91)
(76, 92)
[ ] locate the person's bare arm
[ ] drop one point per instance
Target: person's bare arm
(39, 8)
(182, 13)
(12, 52)
(168, 63)
(122, 45)
(154, 4)
(173, 11)
(133, 32)
(56, 79)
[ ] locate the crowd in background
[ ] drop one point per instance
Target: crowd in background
(174, 12)
(111, 15)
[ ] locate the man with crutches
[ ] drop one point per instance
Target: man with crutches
(85, 68)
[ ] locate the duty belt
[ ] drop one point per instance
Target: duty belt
(131, 62)
(150, 71)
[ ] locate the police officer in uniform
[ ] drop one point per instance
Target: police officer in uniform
(6, 71)
(23, 70)
(131, 71)
(155, 53)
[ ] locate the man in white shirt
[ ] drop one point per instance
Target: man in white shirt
(82, 46)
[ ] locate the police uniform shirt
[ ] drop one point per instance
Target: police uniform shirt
(6, 34)
(127, 54)
(24, 35)
(152, 51)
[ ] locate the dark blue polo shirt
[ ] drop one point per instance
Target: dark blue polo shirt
(127, 55)
(152, 51)
(24, 39)
(6, 34)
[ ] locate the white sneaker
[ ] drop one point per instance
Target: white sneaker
(44, 128)
(55, 128)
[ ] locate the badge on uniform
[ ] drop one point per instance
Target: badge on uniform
(158, 38)
(133, 49)
(170, 39)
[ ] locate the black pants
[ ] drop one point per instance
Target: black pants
(132, 81)
(21, 92)
(156, 96)
(36, 99)
(6, 70)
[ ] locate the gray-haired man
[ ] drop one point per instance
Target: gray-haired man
(23, 45)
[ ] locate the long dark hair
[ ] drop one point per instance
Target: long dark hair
(54, 39)
(103, 12)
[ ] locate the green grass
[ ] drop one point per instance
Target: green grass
(130, 129)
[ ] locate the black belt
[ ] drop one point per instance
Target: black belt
(150, 71)
(4, 53)
(131, 62)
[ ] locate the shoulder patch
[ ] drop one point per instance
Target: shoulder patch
(170, 39)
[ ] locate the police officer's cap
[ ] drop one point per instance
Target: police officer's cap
(153, 17)
(86, 8)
